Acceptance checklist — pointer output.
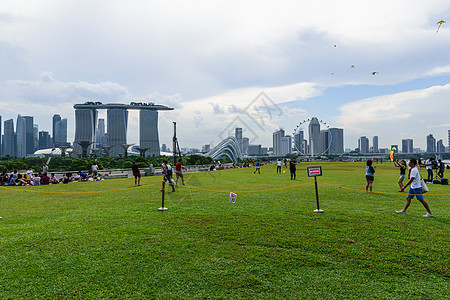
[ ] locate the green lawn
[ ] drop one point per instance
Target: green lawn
(108, 240)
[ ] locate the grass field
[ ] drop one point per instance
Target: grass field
(108, 240)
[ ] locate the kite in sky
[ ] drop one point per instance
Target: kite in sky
(374, 73)
(352, 66)
(440, 23)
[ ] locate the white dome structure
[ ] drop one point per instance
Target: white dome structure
(228, 148)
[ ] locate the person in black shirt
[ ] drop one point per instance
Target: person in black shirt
(136, 174)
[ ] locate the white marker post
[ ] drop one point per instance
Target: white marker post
(314, 172)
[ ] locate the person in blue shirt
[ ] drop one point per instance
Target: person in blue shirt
(257, 167)
(370, 174)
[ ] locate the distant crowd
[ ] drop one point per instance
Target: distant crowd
(30, 177)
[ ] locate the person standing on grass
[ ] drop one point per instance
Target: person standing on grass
(279, 165)
(429, 165)
(402, 166)
(136, 174)
(415, 190)
(292, 167)
(178, 171)
(370, 174)
(257, 167)
(441, 169)
(167, 174)
(94, 169)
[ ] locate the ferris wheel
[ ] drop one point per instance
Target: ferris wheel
(302, 148)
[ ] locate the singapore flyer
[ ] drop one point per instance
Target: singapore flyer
(312, 137)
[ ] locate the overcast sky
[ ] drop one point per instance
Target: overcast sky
(260, 65)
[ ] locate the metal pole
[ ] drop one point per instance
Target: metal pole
(174, 143)
(163, 190)
(318, 210)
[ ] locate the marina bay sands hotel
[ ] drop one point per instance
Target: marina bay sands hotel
(117, 120)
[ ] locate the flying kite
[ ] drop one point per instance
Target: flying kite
(374, 73)
(440, 23)
(392, 153)
(352, 66)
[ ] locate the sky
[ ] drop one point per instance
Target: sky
(259, 65)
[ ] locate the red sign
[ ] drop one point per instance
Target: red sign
(314, 171)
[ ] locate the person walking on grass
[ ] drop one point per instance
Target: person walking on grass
(292, 167)
(257, 167)
(370, 175)
(402, 166)
(279, 165)
(178, 171)
(167, 174)
(136, 174)
(414, 190)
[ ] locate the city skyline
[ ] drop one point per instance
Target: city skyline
(26, 130)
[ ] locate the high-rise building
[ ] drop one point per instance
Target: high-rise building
(277, 136)
(238, 136)
(375, 144)
(299, 142)
(245, 144)
(148, 131)
(21, 137)
(117, 120)
(407, 146)
(314, 136)
(60, 137)
(56, 118)
(9, 138)
(440, 148)
(448, 142)
(337, 141)
(100, 136)
(286, 145)
(206, 148)
(363, 144)
(254, 149)
(85, 125)
(44, 140)
(431, 143)
(324, 142)
(30, 135)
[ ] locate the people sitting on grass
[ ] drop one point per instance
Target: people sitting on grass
(36, 180)
(45, 179)
(53, 179)
(20, 180)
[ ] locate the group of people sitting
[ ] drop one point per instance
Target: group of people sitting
(31, 178)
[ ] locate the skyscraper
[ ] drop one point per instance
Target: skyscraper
(238, 136)
(44, 140)
(363, 144)
(148, 131)
(60, 131)
(440, 148)
(337, 141)
(286, 145)
(117, 123)
(29, 135)
(100, 136)
(375, 144)
(299, 142)
(56, 118)
(277, 135)
(21, 137)
(245, 144)
(314, 136)
(431, 143)
(9, 138)
(85, 125)
(407, 146)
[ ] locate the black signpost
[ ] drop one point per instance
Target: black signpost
(163, 190)
(314, 172)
